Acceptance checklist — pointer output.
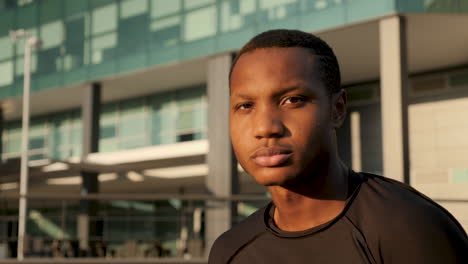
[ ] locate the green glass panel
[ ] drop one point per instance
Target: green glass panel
(109, 112)
(133, 34)
(14, 145)
(459, 80)
(103, 47)
(37, 157)
(165, 33)
(76, 136)
(132, 127)
(19, 64)
(132, 143)
(6, 70)
(108, 145)
(168, 138)
(50, 10)
(19, 45)
(107, 131)
(131, 8)
(51, 34)
(190, 96)
(163, 8)
(200, 23)
(195, 48)
(101, 70)
(185, 120)
(36, 143)
(26, 17)
(132, 107)
(199, 118)
(236, 15)
(73, 7)
(132, 62)
(99, 3)
(104, 19)
(6, 47)
(6, 21)
(363, 9)
(189, 4)
(48, 81)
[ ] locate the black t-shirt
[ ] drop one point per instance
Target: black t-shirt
(384, 221)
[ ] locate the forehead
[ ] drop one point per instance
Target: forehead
(274, 66)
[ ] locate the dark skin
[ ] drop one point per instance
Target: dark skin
(282, 125)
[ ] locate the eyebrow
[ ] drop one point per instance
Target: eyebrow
(295, 87)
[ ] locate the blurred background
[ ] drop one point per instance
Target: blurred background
(129, 153)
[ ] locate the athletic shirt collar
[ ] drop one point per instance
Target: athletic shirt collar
(354, 182)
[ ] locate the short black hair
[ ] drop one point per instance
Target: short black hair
(285, 38)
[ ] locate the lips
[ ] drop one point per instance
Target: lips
(271, 156)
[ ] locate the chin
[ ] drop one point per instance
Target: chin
(273, 176)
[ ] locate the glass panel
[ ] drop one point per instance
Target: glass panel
(132, 127)
(108, 145)
(133, 143)
(133, 33)
(161, 8)
(107, 131)
(104, 19)
(6, 69)
(133, 106)
(131, 8)
(6, 46)
(103, 47)
(19, 64)
(14, 145)
(36, 143)
(189, 97)
(73, 7)
(200, 23)
(166, 32)
(51, 34)
(50, 10)
(189, 4)
(185, 120)
(27, 16)
(74, 43)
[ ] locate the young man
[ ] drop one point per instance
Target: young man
(286, 103)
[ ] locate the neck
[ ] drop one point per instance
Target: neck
(315, 199)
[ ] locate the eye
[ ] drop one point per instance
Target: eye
(295, 100)
(244, 106)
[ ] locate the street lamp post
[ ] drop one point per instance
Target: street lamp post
(30, 42)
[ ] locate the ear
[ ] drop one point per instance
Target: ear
(338, 108)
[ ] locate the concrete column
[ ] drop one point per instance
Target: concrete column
(222, 179)
(394, 87)
(90, 116)
(2, 120)
(356, 154)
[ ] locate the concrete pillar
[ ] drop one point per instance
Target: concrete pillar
(222, 179)
(394, 89)
(356, 155)
(2, 125)
(90, 117)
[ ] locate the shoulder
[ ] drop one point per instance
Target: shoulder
(231, 241)
(389, 197)
(405, 223)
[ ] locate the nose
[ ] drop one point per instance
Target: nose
(268, 124)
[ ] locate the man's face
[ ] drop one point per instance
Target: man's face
(279, 114)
